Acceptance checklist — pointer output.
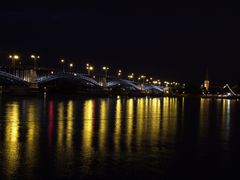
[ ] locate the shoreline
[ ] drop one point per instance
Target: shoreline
(33, 92)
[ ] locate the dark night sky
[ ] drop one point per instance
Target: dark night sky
(169, 42)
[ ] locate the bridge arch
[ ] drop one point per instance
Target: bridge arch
(69, 77)
(154, 88)
(124, 83)
(9, 79)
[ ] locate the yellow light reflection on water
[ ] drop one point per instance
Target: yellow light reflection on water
(154, 120)
(129, 123)
(88, 116)
(12, 138)
(104, 110)
(204, 118)
(140, 120)
(226, 110)
(117, 130)
(70, 129)
(32, 135)
(60, 129)
(169, 119)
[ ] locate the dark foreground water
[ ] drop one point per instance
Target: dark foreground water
(119, 138)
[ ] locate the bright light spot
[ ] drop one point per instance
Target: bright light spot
(15, 57)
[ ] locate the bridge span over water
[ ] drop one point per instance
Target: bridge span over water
(73, 77)
(9, 79)
(77, 79)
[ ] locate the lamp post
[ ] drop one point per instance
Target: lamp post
(119, 73)
(105, 68)
(89, 68)
(131, 76)
(34, 57)
(70, 66)
(143, 78)
(62, 63)
(14, 58)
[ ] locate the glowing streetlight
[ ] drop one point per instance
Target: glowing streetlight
(14, 58)
(70, 66)
(119, 73)
(89, 68)
(62, 63)
(143, 78)
(131, 76)
(34, 57)
(105, 68)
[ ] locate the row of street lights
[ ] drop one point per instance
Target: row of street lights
(89, 68)
(15, 58)
(62, 61)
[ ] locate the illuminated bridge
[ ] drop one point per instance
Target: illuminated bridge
(70, 80)
(9, 79)
(133, 86)
(76, 78)
(123, 83)
(154, 88)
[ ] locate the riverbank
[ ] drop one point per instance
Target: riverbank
(26, 91)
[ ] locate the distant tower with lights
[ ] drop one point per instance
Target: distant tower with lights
(206, 81)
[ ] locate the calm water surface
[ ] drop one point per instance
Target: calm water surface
(73, 137)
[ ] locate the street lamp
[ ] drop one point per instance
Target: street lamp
(150, 80)
(119, 73)
(105, 69)
(14, 58)
(34, 57)
(70, 66)
(62, 62)
(89, 68)
(131, 76)
(143, 78)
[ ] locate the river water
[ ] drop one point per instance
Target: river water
(118, 138)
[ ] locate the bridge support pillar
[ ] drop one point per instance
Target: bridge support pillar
(103, 82)
(33, 78)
